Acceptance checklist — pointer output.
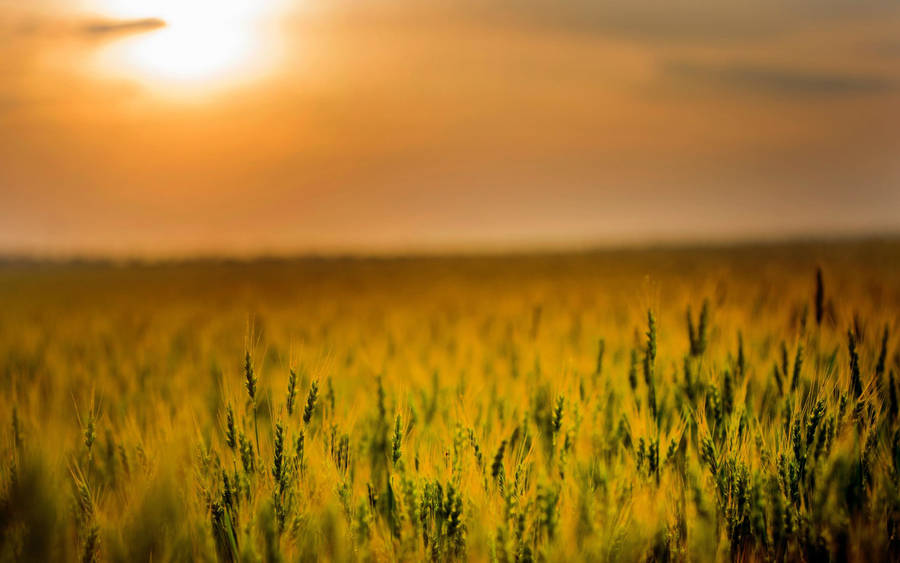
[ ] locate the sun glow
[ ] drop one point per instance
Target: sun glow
(205, 44)
(185, 53)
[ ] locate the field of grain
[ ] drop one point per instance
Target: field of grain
(679, 404)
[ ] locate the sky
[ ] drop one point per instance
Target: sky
(180, 127)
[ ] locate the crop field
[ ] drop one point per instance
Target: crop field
(672, 404)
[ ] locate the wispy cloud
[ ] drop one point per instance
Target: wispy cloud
(758, 78)
(113, 27)
(686, 21)
(889, 48)
(38, 27)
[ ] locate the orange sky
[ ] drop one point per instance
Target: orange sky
(169, 127)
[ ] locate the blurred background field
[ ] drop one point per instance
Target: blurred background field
(482, 407)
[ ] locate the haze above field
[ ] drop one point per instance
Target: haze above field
(175, 127)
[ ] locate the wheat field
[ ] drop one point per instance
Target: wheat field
(670, 404)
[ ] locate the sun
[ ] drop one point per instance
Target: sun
(183, 52)
(205, 44)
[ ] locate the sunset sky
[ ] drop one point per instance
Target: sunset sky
(175, 127)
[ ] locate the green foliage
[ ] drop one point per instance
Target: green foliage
(820, 297)
(291, 392)
(311, 399)
(856, 386)
(698, 338)
(396, 441)
(230, 431)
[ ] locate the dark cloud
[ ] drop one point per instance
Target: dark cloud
(886, 49)
(755, 78)
(683, 21)
(111, 27)
(42, 28)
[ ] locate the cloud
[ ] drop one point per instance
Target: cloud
(758, 78)
(683, 21)
(888, 49)
(39, 28)
(110, 27)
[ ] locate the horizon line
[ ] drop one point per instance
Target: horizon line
(438, 251)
